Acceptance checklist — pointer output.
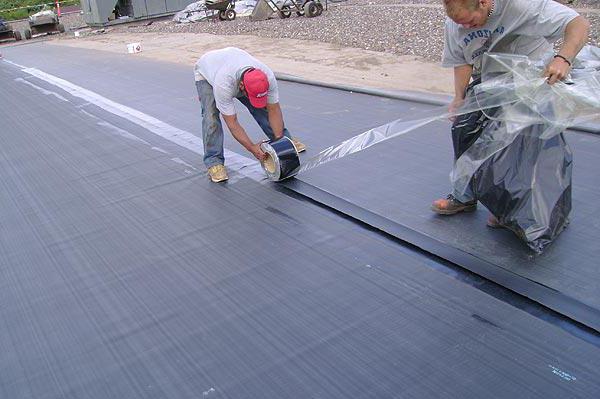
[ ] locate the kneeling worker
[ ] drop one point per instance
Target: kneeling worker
(225, 74)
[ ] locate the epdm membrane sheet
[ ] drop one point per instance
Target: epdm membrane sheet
(125, 275)
(397, 179)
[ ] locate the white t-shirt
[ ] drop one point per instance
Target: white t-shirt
(223, 70)
(522, 27)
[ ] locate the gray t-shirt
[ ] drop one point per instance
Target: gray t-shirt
(223, 70)
(523, 27)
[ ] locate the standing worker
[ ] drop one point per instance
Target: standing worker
(521, 27)
(222, 76)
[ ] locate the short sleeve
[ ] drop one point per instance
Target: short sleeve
(453, 55)
(224, 100)
(273, 95)
(547, 19)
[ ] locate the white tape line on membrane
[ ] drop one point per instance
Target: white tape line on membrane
(235, 162)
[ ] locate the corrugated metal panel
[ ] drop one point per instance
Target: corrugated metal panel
(177, 5)
(139, 8)
(155, 7)
(97, 12)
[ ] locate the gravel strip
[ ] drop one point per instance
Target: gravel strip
(372, 25)
(392, 26)
(575, 3)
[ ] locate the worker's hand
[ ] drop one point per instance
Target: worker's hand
(557, 70)
(258, 152)
(454, 107)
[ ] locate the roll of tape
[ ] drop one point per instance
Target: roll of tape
(282, 159)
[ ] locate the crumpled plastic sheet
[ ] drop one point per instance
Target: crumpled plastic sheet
(46, 14)
(194, 12)
(523, 110)
(197, 11)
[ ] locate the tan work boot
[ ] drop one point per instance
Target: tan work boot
(494, 223)
(218, 173)
(452, 206)
(299, 146)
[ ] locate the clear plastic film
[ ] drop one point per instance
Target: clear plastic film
(519, 164)
(510, 152)
(400, 127)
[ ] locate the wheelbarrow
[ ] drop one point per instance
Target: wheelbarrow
(308, 8)
(226, 8)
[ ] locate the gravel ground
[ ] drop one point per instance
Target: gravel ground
(575, 3)
(393, 26)
(372, 25)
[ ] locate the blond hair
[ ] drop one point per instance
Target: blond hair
(454, 6)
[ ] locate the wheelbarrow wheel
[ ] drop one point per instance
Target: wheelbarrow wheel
(17, 35)
(27, 34)
(285, 12)
(222, 15)
(311, 9)
(230, 15)
(320, 8)
(61, 28)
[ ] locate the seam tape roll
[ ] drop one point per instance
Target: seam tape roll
(282, 159)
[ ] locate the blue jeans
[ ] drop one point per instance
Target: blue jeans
(212, 129)
(465, 197)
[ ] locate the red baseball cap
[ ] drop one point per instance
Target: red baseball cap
(256, 84)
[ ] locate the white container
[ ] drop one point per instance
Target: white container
(134, 48)
(76, 33)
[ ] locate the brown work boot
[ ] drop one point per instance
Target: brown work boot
(452, 206)
(217, 173)
(298, 144)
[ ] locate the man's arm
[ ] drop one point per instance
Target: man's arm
(462, 77)
(240, 135)
(275, 119)
(576, 35)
